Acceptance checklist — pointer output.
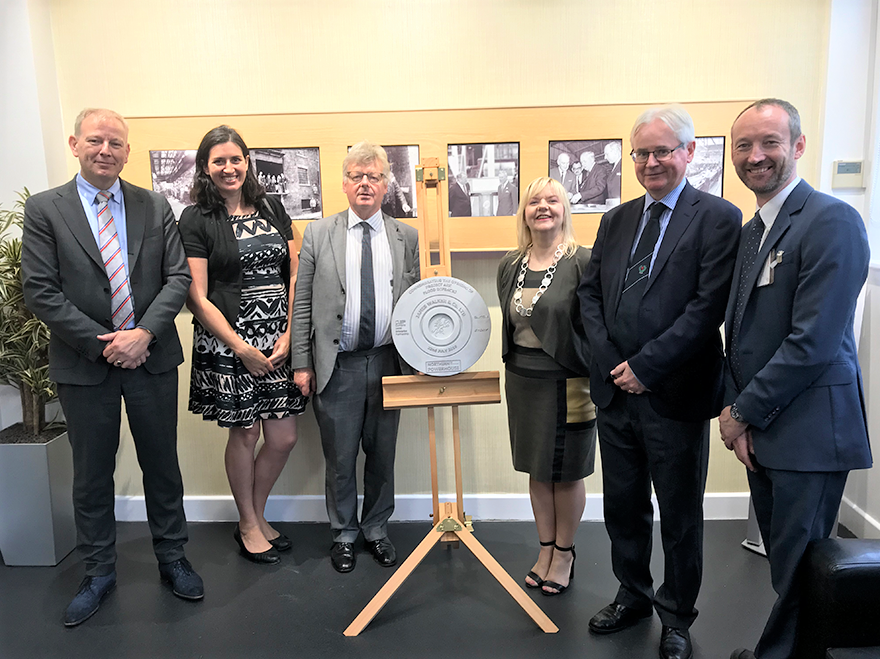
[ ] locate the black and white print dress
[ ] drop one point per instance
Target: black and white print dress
(221, 388)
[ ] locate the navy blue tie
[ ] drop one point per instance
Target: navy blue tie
(367, 328)
(750, 253)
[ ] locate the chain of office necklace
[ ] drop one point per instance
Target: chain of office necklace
(545, 282)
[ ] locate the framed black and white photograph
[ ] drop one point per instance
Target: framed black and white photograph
(706, 171)
(292, 175)
(483, 179)
(172, 174)
(589, 170)
(400, 197)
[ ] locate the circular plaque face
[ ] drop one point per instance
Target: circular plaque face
(441, 326)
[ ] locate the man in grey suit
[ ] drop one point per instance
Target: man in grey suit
(795, 414)
(353, 267)
(104, 268)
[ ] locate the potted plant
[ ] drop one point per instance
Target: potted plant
(36, 465)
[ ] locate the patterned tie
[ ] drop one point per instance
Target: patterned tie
(121, 305)
(750, 253)
(640, 264)
(367, 328)
(625, 332)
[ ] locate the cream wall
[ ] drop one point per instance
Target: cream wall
(164, 58)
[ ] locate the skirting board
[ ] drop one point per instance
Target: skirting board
(409, 508)
(858, 521)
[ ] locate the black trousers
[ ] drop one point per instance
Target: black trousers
(638, 448)
(93, 414)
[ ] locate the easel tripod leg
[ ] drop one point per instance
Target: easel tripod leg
(381, 598)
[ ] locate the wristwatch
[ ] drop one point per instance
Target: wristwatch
(736, 415)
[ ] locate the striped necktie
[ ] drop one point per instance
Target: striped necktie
(121, 304)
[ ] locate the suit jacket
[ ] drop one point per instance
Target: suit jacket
(556, 318)
(568, 180)
(508, 199)
(319, 300)
(803, 392)
(459, 201)
(66, 286)
(594, 187)
(680, 360)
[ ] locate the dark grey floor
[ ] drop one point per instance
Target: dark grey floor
(450, 607)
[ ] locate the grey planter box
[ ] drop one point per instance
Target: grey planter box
(36, 502)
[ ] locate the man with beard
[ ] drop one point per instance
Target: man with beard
(353, 267)
(795, 414)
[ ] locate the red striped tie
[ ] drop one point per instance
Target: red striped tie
(121, 304)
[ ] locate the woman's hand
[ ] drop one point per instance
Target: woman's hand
(281, 350)
(255, 361)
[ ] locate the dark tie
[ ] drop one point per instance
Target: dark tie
(625, 332)
(750, 253)
(367, 328)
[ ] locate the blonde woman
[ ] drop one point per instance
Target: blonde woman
(551, 417)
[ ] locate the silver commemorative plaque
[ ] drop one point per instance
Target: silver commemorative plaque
(441, 326)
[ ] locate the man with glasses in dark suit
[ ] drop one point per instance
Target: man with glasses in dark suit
(652, 300)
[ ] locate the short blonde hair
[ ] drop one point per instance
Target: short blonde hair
(102, 112)
(363, 153)
(524, 234)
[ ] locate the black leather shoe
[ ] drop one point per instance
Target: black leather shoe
(185, 583)
(383, 552)
(742, 653)
(617, 617)
(268, 557)
(342, 556)
(281, 543)
(86, 602)
(675, 643)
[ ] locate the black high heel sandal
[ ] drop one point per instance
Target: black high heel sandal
(552, 584)
(534, 577)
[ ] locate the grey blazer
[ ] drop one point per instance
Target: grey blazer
(319, 300)
(66, 286)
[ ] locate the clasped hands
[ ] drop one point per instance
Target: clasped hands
(257, 363)
(737, 437)
(126, 348)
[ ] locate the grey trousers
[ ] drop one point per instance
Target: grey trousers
(350, 416)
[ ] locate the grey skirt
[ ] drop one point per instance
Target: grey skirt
(551, 437)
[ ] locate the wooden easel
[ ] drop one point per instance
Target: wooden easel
(450, 522)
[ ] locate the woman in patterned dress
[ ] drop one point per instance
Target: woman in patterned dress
(242, 256)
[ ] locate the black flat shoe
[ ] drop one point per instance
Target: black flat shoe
(534, 577)
(342, 556)
(281, 543)
(268, 557)
(558, 586)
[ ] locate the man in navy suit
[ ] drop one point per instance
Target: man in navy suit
(795, 414)
(652, 301)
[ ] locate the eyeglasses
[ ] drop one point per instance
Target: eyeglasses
(660, 155)
(357, 177)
